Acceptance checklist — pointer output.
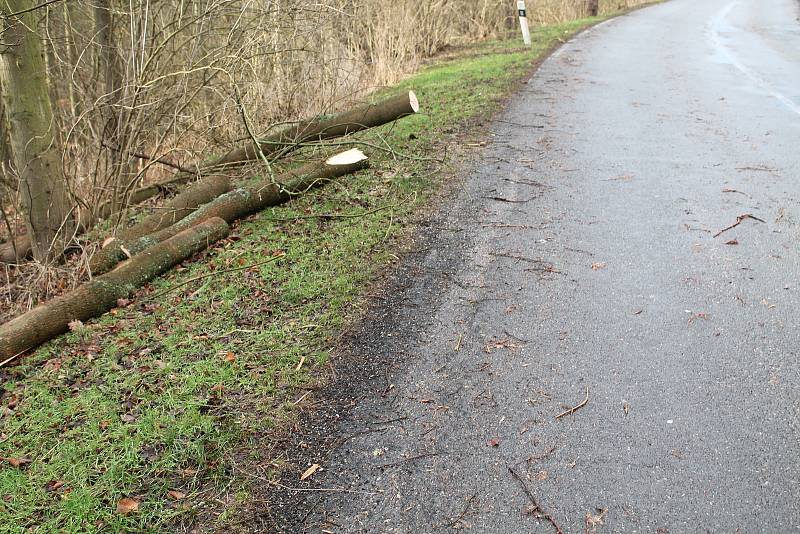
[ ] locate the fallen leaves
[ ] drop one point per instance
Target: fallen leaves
(504, 343)
(700, 315)
(126, 506)
(593, 521)
(732, 242)
(599, 265)
(176, 495)
(494, 442)
(16, 462)
(310, 471)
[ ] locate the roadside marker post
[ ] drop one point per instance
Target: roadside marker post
(523, 22)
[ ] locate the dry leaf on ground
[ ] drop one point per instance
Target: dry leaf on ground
(127, 506)
(310, 471)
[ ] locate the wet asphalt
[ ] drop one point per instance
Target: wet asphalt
(581, 255)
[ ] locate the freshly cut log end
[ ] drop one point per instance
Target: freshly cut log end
(346, 158)
(314, 130)
(242, 202)
(413, 101)
(99, 295)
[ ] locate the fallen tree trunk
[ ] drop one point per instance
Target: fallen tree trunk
(173, 211)
(281, 143)
(99, 295)
(19, 249)
(361, 118)
(242, 202)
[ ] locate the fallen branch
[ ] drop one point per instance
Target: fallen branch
(574, 409)
(242, 202)
(739, 220)
(99, 295)
(536, 507)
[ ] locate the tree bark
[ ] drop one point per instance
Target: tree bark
(99, 295)
(361, 118)
(173, 211)
(45, 200)
(365, 117)
(242, 202)
(20, 248)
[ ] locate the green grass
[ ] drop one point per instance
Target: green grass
(160, 395)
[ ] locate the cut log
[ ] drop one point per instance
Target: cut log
(173, 211)
(361, 118)
(19, 249)
(99, 295)
(281, 143)
(242, 202)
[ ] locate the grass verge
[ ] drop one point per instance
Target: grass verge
(128, 423)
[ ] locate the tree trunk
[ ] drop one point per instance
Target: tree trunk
(592, 7)
(20, 247)
(173, 211)
(362, 118)
(242, 202)
(45, 200)
(99, 295)
(109, 68)
(279, 144)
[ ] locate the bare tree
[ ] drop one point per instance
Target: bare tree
(45, 200)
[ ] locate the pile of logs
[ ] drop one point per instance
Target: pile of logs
(192, 221)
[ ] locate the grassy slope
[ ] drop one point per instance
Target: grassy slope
(154, 396)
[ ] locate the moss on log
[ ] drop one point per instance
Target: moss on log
(173, 211)
(242, 202)
(99, 295)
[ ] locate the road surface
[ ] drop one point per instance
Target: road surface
(588, 265)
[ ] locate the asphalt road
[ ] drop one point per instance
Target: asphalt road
(581, 255)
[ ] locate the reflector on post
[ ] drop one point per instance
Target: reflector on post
(523, 22)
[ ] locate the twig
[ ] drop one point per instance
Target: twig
(510, 201)
(34, 8)
(409, 459)
(526, 182)
(501, 225)
(332, 216)
(460, 517)
(759, 168)
(739, 220)
(242, 268)
(139, 155)
(728, 190)
(12, 358)
(574, 409)
(537, 509)
(515, 257)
